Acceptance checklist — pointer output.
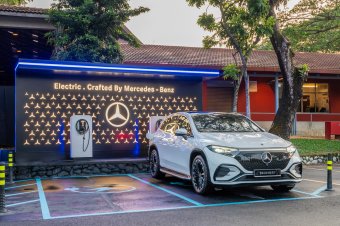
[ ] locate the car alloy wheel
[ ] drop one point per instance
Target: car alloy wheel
(200, 175)
(154, 165)
(153, 162)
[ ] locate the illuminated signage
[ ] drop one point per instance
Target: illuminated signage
(120, 110)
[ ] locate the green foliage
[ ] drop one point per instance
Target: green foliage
(89, 30)
(14, 2)
(316, 146)
(302, 71)
(231, 71)
(311, 26)
(241, 24)
(320, 33)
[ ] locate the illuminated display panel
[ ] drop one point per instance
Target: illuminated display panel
(120, 107)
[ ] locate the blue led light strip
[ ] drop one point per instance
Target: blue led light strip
(132, 69)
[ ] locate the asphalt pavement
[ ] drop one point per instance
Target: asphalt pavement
(140, 200)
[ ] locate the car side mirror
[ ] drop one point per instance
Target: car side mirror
(181, 133)
(149, 136)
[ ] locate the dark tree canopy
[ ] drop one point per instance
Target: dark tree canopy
(89, 30)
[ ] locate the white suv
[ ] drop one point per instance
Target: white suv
(222, 149)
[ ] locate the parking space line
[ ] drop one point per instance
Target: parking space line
(305, 193)
(337, 171)
(21, 193)
(124, 212)
(19, 186)
(166, 190)
(318, 181)
(43, 202)
(186, 207)
(21, 203)
(260, 201)
(319, 190)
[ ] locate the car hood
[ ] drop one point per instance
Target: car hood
(244, 140)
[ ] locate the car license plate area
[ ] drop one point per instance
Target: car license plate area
(267, 173)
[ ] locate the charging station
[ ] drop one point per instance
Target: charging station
(81, 136)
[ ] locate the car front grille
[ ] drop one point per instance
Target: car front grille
(253, 160)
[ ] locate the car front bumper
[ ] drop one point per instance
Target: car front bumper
(227, 171)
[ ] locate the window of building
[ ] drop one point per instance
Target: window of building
(314, 98)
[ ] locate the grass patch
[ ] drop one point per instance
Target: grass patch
(316, 146)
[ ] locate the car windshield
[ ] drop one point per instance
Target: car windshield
(224, 123)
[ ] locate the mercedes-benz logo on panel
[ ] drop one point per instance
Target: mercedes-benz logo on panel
(266, 158)
(117, 114)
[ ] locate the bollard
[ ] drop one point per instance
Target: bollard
(329, 172)
(10, 166)
(2, 187)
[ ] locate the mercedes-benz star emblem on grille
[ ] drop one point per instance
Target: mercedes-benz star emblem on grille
(117, 114)
(266, 158)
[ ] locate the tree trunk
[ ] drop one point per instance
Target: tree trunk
(292, 82)
(246, 89)
(237, 84)
(246, 83)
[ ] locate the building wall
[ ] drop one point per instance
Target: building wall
(262, 105)
(334, 96)
(263, 100)
(6, 116)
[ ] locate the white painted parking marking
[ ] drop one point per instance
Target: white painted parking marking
(21, 203)
(319, 190)
(43, 202)
(187, 207)
(337, 171)
(317, 181)
(21, 193)
(305, 193)
(19, 186)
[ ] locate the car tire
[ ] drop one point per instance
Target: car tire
(283, 188)
(200, 176)
(154, 165)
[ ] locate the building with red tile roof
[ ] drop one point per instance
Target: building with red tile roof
(22, 32)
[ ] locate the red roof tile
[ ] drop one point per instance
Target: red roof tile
(218, 58)
(21, 9)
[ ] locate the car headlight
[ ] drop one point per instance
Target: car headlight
(223, 150)
(291, 150)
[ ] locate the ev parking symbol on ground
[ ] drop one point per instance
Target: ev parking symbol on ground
(108, 189)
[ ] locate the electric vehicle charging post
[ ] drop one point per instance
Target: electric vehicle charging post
(81, 136)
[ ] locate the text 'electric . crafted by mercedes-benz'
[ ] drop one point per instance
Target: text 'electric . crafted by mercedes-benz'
(222, 149)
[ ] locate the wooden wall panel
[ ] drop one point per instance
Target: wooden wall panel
(219, 99)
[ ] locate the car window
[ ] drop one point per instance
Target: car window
(170, 125)
(183, 122)
(165, 122)
(224, 123)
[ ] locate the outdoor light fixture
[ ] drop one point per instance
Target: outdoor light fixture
(59, 65)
